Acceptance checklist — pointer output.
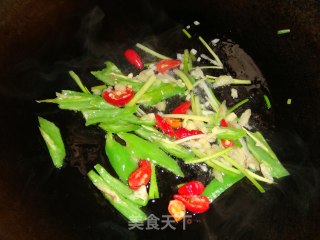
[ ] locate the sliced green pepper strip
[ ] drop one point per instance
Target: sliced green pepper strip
(230, 133)
(215, 188)
(128, 209)
(143, 149)
(168, 146)
(153, 189)
(120, 187)
(52, 136)
(119, 126)
(163, 92)
(277, 169)
(96, 116)
(111, 75)
(119, 158)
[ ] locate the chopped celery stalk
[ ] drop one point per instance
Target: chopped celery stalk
(184, 78)
(52, 136)
(237, 105)
(221, 169)
(243, 170)
(76, 78)
(127, 208)
(208, 67)
(153, 189)
(266, 99)
(186, 61)
(151, 52)
(142, 91)
(219, 63)
(197, 106)
(186, 33)
(209, 157)
(191, 117)
(283, 31)
(214, 102)
(215, 188)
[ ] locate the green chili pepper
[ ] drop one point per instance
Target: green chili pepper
(119, 126)
(96, 116)
(119, 158)
(230, 133)
(128, 209)
(111, 75)
(52, 136)
(71, 100)
(143, 149)
(168, 146)
(164, 91)
(153, 189)
(215, 188)
(277, 170)
(122, 188)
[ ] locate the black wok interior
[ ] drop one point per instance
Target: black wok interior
(41, 41)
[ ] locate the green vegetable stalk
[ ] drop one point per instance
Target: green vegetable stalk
(52, 136)
(215, 188)
(119, 158)
(143, 149)
(128, 209)
(121, 188)
(160, 140)
(263, 156)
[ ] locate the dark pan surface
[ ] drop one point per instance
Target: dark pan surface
(39, 202)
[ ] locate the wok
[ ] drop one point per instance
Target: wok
(41, 41)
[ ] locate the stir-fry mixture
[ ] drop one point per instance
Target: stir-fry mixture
(144, 133)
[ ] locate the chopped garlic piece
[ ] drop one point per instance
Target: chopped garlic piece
(222, 81)
(244, 118)
(234, 93)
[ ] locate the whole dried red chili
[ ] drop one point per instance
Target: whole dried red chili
(163, 125)
(140, 176)
(194, 203)
(166, 64)
(182, 108)
(191, 188)
(117, 97)
(133, 57)
(183, 132)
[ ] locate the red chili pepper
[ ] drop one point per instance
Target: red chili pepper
(182, 133)
(223, 123)
(182, 108)
(194, 203)
(225, 142)
(117, 97)
(163, 125)
(166, 64)
(177, 210)
(140, 176)
(191, 188)
(133, 57)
